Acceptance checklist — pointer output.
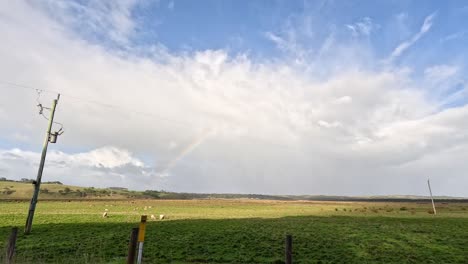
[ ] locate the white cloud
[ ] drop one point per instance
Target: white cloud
(104, 167)
(287, 43)
(111, 19)
(363, 27)
(440, 72)
(171, 5)
(328, 124)
(20, 137)
(402, 47)
(343, 100)
(453, 36)
(267, 120)
(108, 157)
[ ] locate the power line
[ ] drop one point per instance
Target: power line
(85, 100)
(27, 87)
(113, 106)
(41, 111)
(151, 115)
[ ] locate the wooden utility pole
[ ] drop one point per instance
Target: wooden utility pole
(432, 199)
(132, 245)
(288, 252)
(37, 182)
(10, 252)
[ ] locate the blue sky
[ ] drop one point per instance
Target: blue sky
(240, 26)
(299, 97)
(243, 27)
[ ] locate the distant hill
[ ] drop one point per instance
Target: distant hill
(22, 190)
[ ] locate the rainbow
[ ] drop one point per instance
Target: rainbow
(187, 150)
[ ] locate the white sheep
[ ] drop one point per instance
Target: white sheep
(161, 217)
(153, 217)
(104, 215)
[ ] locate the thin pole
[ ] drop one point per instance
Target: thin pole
(432, 199)
(140, 252)
(141, 238)
(37, 183)
(11, 246)
(288, 252)
(132, 244)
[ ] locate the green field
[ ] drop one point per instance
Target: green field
(240, 231)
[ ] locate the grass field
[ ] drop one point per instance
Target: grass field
(241, 231)
(10, 190)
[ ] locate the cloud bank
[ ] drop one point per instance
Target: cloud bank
(210, 121)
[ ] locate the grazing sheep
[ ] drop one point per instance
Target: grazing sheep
(153, 217)
(106, 210)
(104, 215)
(149, 207)
(161, 217)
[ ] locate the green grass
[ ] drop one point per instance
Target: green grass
(10, 190)
(241, 231)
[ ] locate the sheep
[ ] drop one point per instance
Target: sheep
(153, 217)
(146, 208)
(104, 215)
(161, 217)
(106, 210)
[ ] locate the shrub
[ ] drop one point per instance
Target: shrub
(152, 194)
(403, 208)
(336, 209)
(8, 192)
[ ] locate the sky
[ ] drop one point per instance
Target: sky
(271, 97)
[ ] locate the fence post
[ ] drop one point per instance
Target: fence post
(132, 246)
(10, 252)
(288, 249)
(141, 238)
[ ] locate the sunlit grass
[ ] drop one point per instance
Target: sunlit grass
(241, 231)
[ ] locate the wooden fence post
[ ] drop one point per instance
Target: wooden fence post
(10, 252)
(132, 246)
(288, 249)
(141, 238)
